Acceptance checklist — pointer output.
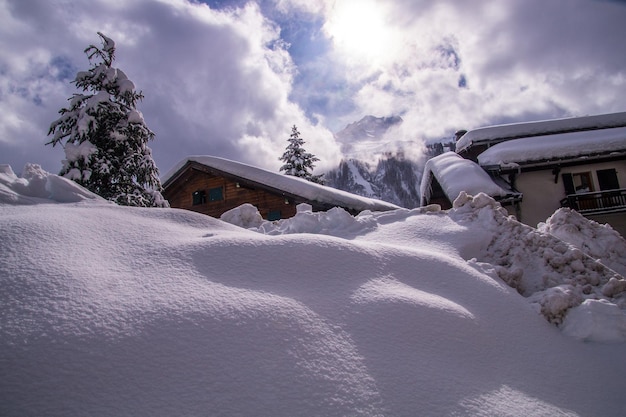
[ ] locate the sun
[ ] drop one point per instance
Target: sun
(358, 28)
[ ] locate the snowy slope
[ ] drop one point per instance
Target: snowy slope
(122, 311)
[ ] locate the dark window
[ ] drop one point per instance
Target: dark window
(216, 194)
(273, 215)
(199, 197)
(607, 179)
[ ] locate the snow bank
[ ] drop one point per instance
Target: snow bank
(598, 241)
(596, 320)
(554, 275)
(38, 186)
(109, 310)
(246, 216)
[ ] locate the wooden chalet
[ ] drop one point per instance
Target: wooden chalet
(212, 186)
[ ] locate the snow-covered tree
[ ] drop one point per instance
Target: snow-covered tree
(297, 161)
(105, 137)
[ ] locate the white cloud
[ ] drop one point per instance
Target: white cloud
(222, 82)
(214, 81)
(305, 6)
(449, 64)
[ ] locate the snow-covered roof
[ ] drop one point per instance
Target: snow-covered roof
(456, 174)
(286, 183)
(539, 128)
(553, 147)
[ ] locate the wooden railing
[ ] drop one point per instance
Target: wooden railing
(597, 202)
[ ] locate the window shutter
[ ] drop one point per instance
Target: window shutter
(607, 179)
(568, 182)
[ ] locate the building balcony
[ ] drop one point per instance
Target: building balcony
(598, 202)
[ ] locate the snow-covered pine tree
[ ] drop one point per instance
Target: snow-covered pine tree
(297, 161)
(105, 137)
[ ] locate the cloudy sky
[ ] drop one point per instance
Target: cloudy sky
(230, 77)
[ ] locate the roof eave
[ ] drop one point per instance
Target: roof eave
(520, 166)
(551, 127)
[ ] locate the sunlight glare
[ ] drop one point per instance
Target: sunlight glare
(358, 27)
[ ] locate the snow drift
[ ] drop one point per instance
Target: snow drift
(123, 311)
(38, 186)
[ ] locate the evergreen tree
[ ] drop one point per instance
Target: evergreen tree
(297, 161)
(105, 137)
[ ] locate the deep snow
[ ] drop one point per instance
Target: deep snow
(120, 311)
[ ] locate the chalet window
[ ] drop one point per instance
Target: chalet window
(216, 194)
(198, 197)
(582, 182)
(607, 179)
(273, 215)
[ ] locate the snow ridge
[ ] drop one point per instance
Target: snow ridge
(555, 276)
(109, 310)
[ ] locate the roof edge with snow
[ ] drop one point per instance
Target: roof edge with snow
(557, 149)
(499, 133)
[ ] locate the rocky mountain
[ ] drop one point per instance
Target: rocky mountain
(393, 177)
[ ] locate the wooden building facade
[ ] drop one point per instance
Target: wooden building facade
(201, 189)
(212, 186)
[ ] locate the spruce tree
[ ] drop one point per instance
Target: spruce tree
(297, 161)
(105, 137)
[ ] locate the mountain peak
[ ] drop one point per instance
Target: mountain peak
(365, 136)
(369, 127)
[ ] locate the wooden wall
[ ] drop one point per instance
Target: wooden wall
(180, 195)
